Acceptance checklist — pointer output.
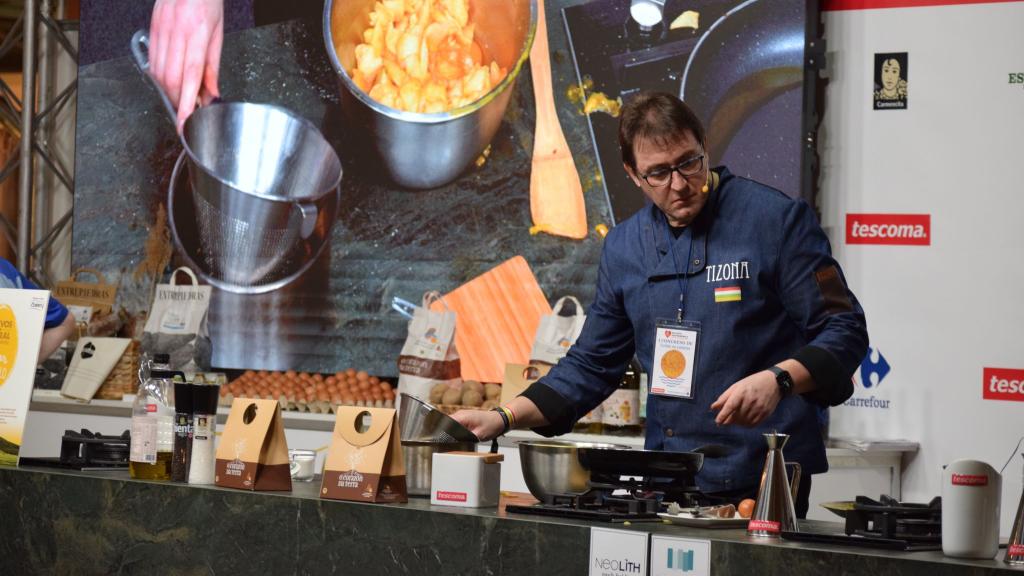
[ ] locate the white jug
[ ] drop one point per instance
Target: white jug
(970, 509)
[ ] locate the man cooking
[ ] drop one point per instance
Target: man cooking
(727, 293)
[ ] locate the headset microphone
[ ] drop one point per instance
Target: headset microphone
(706, 181)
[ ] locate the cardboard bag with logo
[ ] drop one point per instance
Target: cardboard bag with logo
(177, 324)
(98, 295)
(556, 333)
(253, 452)
(365, 462)
(91, 363)
(518, 377)
(429, 356)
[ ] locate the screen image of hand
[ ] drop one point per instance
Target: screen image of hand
(186, 37)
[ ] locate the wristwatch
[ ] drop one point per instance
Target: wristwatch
(783, 379)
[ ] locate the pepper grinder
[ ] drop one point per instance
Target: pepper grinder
(1015, 547)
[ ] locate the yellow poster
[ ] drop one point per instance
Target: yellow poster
(22, 314)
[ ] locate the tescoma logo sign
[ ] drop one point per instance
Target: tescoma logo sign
(680, 556)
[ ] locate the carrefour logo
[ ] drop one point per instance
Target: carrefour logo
(681, 560)
(873, 369)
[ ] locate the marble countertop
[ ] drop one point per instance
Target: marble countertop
(104, 522)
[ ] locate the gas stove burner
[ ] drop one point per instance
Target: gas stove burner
(890, 518)
(89, 449)
(613, 499)
(885, 523)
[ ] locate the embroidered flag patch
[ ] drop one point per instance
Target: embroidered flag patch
(728, 294)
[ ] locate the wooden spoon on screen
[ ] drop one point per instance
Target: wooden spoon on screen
(556, 195)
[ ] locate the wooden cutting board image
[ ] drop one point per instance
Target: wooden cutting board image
(497, 315)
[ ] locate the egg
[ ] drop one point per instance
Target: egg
(746, 508)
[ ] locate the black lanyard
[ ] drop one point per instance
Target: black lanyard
(675, 265)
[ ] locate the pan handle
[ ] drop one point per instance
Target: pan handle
(140, 54)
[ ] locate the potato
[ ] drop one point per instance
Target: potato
(437, 393)
(492, 391)
(452, 396)
(472, 398)
(488, 404)
(474, 385)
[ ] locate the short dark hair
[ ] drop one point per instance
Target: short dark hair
(658, 117)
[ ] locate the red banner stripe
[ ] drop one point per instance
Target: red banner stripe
(835, 5)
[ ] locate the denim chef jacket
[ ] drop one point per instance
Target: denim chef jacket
(11, 278)
(794, 303)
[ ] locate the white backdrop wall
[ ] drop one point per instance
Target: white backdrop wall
(939, 314)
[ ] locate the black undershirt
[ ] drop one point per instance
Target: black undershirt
(677, 231)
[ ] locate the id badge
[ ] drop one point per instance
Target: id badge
(675, 357)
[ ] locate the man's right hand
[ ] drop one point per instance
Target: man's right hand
(485, 424)
(185, 39)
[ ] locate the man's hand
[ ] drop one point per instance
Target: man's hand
(485, 424)
(749, 401)
(184, 50)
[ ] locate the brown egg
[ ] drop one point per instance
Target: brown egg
(318, 377)
(384, 386)
(348, 399)
(351, 372)
(374, 380)
(310, 391)
(364, 385)
(223, 391)
(362, 375)
(330, 380)
(389, 394)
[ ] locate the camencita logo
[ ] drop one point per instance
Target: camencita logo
(891, 73)
(1002, 384)
(1017, 78)
(891, 229)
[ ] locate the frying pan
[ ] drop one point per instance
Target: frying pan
(624, 462)
(744, 80)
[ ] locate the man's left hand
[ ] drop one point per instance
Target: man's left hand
(749, 401)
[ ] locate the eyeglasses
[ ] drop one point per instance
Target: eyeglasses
(662, 176)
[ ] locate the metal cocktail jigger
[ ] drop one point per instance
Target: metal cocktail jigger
(774, 511)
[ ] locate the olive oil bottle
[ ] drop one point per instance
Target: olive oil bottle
(152, 430)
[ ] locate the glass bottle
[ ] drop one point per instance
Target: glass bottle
(152, 430)
(622, 409)
(591, 422)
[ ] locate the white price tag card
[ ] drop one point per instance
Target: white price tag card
(618, 552)
(674, 556)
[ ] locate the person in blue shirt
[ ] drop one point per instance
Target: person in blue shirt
(741, 267)
(59, 325)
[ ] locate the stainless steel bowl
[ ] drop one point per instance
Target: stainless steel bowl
(419, 459)
(419, 421)
(552, 467)
(429, 150)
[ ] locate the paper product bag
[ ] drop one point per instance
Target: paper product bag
(556, 333)
(365, 464)
(518, 377)
(176, 324)
(253, 451)
(98, 295)
(91, 363)
(429, 356)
